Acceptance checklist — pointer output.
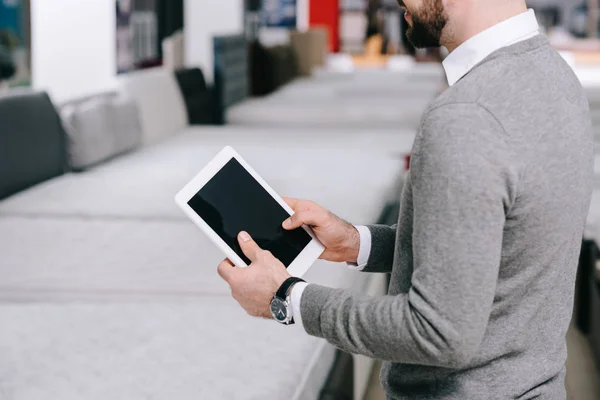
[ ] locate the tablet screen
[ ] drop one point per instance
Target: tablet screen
(233, 201)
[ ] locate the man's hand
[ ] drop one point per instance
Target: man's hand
(255, 286)
(341, 239)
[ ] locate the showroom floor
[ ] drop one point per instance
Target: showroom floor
(583, 381)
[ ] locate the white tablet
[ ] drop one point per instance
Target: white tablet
(228, 197)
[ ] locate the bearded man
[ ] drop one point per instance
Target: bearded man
(483, 258)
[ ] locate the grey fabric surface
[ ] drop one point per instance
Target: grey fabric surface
(142, 185)
(390, 114)
(46, 259)
(100, 128)
(488, 240)
(159, 101)
(231, 69)
(32, 143)
(108, 290)
(89, 131)
(368, 100)
(127, 124)
(206, 349)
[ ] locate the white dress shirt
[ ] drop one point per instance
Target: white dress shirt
(458, 64)
(466, 56)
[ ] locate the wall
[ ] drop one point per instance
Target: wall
(303, 14)
(73, 47)
(205, 19)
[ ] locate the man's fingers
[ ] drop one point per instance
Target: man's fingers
(311, 218)
(226, 270)
(300, 205)
(249, 246)
(293, 203)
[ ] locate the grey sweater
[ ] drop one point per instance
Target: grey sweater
(484, 256)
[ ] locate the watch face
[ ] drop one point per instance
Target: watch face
(279, 310)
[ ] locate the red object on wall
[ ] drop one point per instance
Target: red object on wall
(326, 13)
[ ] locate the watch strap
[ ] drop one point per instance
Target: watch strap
(285, 288)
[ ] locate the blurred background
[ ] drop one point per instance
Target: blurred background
(109, 107)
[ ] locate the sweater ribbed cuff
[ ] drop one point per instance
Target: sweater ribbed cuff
(314, 298)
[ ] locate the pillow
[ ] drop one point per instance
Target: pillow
(162, 109)
(32, 141)
(99, 129)
(89, 132)
(127, 124)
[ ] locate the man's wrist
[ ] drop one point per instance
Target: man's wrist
(364, 251)
(296, 300)
(353, 245)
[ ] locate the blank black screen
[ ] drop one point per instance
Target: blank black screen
(233, 201)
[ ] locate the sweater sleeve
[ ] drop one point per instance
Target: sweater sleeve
(462, 185)
(381, 256)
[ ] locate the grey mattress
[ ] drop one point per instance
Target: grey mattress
(366, 100)
(206, 349)
(142, 185)
(47, 259)
(342, 115)
(109, 292)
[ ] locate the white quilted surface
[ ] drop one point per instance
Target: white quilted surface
(207, 349)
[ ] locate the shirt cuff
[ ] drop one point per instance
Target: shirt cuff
(364, 250)
(296, 298)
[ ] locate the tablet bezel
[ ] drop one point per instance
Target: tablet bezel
(301, 263)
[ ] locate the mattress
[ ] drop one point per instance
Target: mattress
(373, 100)
(48, 259)
(100, 232)
(206, 349)
(142, 185)
(342, 115)
(360, 87)
(108, 291)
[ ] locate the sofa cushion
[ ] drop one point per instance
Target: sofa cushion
(32, 143)
(100, 128)
(89, 130)
(200, 100)
(160, 102)
(127, 125)
(191, 80)
(231, 72)
(271, 67)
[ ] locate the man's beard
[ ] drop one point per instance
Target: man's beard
(428, 25)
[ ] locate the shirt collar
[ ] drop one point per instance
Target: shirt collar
(466, 56)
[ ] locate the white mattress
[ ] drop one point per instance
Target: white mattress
(108, 291)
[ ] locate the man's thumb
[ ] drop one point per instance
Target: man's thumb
(248, 245)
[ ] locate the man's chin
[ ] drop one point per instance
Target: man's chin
(421, 43)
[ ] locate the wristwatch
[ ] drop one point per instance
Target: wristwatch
(281, 307)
